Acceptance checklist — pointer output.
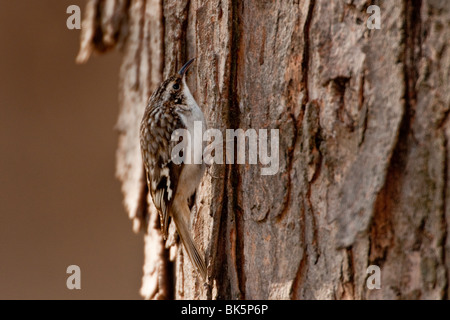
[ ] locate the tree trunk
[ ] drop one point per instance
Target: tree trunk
(363, 153)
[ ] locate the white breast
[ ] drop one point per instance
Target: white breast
(189, 116)
(192, 173)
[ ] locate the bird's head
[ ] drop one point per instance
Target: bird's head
(174, 90)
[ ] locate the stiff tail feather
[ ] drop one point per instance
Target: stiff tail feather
(193, 252)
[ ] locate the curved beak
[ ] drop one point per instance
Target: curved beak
(185, 68)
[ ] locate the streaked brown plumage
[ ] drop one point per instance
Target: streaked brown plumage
(172, 107)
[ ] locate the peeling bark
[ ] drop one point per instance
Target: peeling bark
(364, 131)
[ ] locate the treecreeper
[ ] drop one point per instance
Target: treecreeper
(172, 184)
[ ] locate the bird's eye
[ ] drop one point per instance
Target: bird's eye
(176, 86)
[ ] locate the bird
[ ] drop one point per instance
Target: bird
(172, 185)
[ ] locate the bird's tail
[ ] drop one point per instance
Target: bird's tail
(179, 213)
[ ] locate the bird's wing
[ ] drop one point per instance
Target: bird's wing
(162, 171)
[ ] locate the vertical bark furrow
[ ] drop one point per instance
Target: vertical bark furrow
(444, 222)
(234, 185)
(306, 49)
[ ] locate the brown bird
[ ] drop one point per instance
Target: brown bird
(172, 183)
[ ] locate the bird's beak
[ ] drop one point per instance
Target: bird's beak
(185, 68)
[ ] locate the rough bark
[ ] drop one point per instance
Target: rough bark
(364, 131)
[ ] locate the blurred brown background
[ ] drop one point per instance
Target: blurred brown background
(60, 203)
